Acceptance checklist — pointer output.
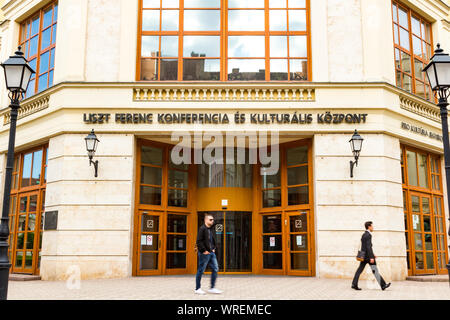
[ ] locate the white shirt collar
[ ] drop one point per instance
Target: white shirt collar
(369, 231)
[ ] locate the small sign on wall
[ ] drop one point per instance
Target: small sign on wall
(51, 220)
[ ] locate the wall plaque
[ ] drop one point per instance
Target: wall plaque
(51, 220)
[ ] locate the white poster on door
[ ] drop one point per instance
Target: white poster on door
(149, 240)
(299, 241)
(180, 243)
(143, 240)
(272, 241)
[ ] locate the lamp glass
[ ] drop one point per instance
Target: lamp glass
(91, 144)
(357, 145)
(13, 76)
(443, 74)
(431, 74)
(27, 73)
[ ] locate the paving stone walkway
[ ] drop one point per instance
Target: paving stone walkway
(236, 287)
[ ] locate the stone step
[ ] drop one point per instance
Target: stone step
(23, 277)
(429, 278)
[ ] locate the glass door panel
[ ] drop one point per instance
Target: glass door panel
(272, 237)
(298, 244)
(176, 246)
(150, 242)
(233, 235)
(238, 239)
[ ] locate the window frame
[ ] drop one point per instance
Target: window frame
(428, 94)
(224, 33)
(25, 38)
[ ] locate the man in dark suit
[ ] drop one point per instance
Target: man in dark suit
(369, 258)
(206, 245)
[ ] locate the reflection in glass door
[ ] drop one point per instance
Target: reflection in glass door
(233, 235)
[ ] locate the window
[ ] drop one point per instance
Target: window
(201, 40)
(290, 185)
(37, 39)
(412, 45)
(162, 183)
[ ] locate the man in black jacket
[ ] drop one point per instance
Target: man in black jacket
(366, 247)
(206, 245)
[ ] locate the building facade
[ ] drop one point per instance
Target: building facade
(153, 77)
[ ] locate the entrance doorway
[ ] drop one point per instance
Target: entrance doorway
(234, 239)
(264, 222)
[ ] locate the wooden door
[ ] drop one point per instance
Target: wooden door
(273, 243)
(422, 236)
(175, 243)
(26, 231)
(149, 257)
(298, 248)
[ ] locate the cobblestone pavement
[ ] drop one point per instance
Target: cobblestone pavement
(236, 287)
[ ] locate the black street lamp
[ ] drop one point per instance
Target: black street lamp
(91, 147)
(17, 77)
(356, 145)
(438, 73)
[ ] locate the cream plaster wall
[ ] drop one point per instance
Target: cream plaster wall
(342, 205)
(94, 214)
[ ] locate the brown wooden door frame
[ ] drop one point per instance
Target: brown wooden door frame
(260, 255)
(160, 232)
(296, 272)
(35, 250)
(412, 233)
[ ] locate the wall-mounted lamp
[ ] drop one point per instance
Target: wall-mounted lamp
(91, 147)
(356, 145)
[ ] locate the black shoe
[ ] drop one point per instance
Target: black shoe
(357, 288)
(386, 286)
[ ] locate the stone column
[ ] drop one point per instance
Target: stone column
(93, 236)
(343, 204)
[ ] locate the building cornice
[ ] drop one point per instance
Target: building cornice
(226, 92)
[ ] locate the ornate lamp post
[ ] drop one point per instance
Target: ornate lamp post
(17, 77)
(438, 73)
(356, 145)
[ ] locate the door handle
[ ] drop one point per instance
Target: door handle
(159, 244)
(289, 244)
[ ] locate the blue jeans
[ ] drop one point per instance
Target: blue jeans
(203, 261)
